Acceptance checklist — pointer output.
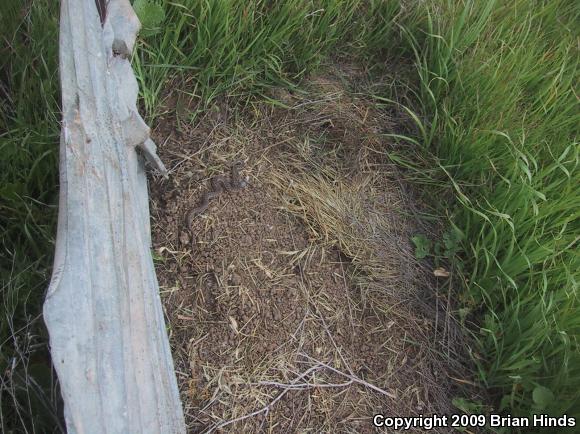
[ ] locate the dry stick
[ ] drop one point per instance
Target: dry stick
(334, 343)
(349, 300)
(447, 321)
(352, 377)
(294, 385)
(267, 407)
(208, 405)
(331, 97)
(302, 386)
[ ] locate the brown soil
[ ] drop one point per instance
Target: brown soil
(296, 305)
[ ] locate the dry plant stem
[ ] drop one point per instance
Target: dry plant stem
(327, 330)
(294, 385)
(267, 407)
(302, 386)
(352, 377)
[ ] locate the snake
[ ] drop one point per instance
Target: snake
(218, 184)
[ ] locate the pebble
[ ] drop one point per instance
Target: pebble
(184, 238)
(235, 279)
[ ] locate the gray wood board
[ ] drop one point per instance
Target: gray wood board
(103, 311)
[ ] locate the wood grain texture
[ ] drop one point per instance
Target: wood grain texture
(103, 311)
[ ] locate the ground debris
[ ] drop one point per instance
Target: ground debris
(296, 306)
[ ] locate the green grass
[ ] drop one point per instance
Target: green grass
(234, 48)
(498, 94)
(29, 128)
(495, 97)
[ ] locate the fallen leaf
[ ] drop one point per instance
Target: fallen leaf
(441, 272)
(234, 324)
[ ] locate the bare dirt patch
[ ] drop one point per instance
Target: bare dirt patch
(296, 304)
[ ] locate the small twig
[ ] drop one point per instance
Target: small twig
(301, 386)
(267, 407)
(334, 343)
(352, 377)
(295, 385)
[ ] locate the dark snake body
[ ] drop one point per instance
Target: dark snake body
(218, 185)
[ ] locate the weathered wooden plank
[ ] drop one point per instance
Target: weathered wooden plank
(103, 312)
